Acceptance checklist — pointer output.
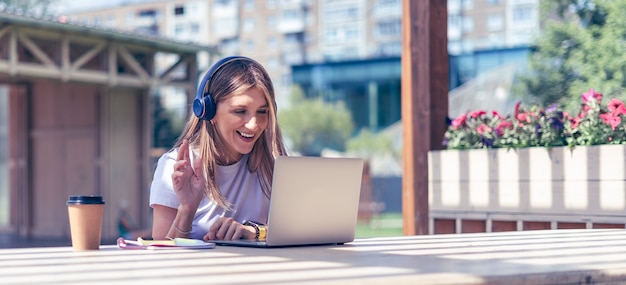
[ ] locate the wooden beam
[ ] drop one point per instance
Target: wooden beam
(424, 102)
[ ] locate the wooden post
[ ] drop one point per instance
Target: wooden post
(424, 102)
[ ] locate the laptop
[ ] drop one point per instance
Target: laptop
(315, 201)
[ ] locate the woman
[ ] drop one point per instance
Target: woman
(217, 178)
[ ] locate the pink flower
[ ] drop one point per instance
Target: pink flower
(459, 122)
(616, 107)
(521, 116)
(502, 127)
(610, 119)
(497, 115)
(477, 114)
(575, 121)
(483, 129)
(592, 95)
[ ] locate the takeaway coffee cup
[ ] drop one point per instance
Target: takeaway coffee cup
(86, 213)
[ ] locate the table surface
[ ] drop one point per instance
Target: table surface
(525, 257)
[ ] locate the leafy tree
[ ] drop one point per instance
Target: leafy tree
(368, 144)
(581, 47)
(312, 124)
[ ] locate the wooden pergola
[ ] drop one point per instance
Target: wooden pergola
(79, 111)
(424, 102)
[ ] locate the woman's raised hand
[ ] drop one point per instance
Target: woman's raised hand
(188, 179)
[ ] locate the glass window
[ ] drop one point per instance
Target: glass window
(250, 45)
(389, 28)
(249, 5)
(249, 25)
(179, 29)
(331, 35)
(130, 18)
(179, 10)
(522, 14)
(272, 63)
(272, 43)
(454, 20)
(352, 33)
(468, 24)
(494, 22)
(271, 22)
(194, 27)
(468, 4)
(147, 13)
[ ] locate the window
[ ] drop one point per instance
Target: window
(179, 29)
(468, 4)
(522, 14)
(271, 3)
(494, 2)
(272, 43)
(391, 48)
(147, 13)
(272, 63)
(110, 21)
(343, 13)
(286, 80)
(248, 25)
(130, 18)
(468, 24)
(179, 10)
(389, 28)
(290, 14)
(249, 5)
(454, 21)
(494, 22)
(331, 35)
(271, 22)
(292, 39)
(194, 27)
(352, 33)
(250, 45)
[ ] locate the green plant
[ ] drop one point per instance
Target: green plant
(535, 126)
(312, 124)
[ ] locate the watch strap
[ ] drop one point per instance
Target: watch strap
(259, 228)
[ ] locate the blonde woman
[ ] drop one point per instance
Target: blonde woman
(215, 182)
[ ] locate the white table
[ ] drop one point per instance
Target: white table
(529, 257)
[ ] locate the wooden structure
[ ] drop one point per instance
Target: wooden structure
(424, 102)
(79, 117)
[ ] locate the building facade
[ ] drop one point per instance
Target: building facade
(282, 34)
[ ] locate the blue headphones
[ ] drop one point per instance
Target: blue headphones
(204, 106)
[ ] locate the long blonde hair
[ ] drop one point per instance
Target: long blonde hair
(236, 77)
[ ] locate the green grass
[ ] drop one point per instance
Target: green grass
(388, 224)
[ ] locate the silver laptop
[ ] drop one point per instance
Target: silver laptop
(315, 201)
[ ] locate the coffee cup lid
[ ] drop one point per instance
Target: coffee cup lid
(82, 200)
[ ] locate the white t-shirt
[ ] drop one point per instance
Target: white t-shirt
(238, 185)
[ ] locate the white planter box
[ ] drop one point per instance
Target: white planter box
(586, 184)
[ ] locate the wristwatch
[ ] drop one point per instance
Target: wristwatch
(259, 228)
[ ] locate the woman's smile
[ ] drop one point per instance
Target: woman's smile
(240, 120)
